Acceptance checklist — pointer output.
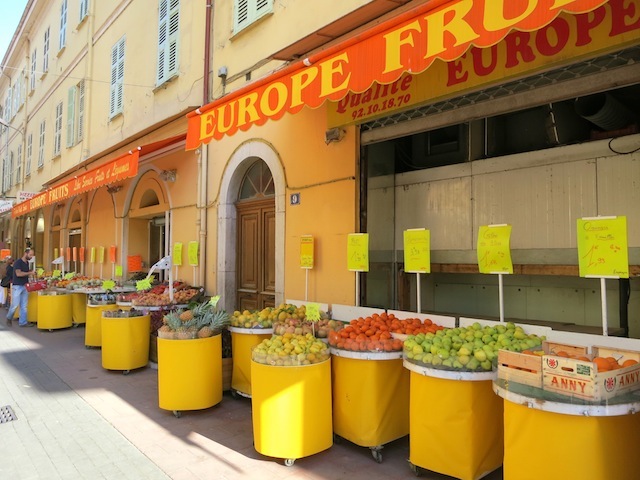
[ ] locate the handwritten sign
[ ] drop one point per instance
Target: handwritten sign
(100, 254)
(134, 263)
(494, 253)
(177, 254)
(39, 271)
(417, 250)
(192, 250)
(112, 254)
(82, 254)
(55, 253)
(56, 274)
(69, 275)
(68, 255)
(602, 247)
(306, 251)
(144, 284)
(358, 252)
(108, 284)
(74, 254)
(118, 270)
(214, 301)
(312, 312)
(92, 255)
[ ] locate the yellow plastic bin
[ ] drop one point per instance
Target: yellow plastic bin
(79, 308)
(54, 310)
(125, 342)
(93, 327)
(582, 440)
(189, 373)
(242, 341)
(32, 307)
(370, 398)
(291, 408)
(456, 422)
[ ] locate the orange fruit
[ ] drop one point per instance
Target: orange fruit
(583, 358)
(628, 363)
(611, 360)
(602, 364)
(562, 353)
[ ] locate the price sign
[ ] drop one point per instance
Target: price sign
(118, 270)
(92, 255)
(56, 274)
(177, 254)
(39, 271)
(68, 256)
(108, 284)
(602, 247)
(144, 284)
(193, 253)
(112, 254)
(494, 253)
(358, 252)
(82, 254)
(214, 301)
(100, 254)
(312, 311)
(69, 275)
(74, 254)
(417, 250)
(55, 253)
(306, 251)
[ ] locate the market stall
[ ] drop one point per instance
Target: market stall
(125, 340)
(32, 307)
(97, 304)
(242, 341)
(54, 310)
(79, 308)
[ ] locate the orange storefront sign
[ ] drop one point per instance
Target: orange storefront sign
(610, 27)
(121, 168)
(410, 43)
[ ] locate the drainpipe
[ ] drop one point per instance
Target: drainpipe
(203, 158)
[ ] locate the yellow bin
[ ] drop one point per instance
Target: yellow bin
(93, 327)
(242, 341)
(125, 342)
(370, 398)
(456, 423)
(79, 307)
(291, 409)
(54, 311)
(189, 373)
(32, 307)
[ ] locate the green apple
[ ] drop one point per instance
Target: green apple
(457, 364)
(480, 355)
(463, 359)
(436, 360)
(473, 364)
(464, 351)
(447, 363)
(434, 349)
(417, 349)
(443, 353)
(418, 357)
(427, 358)
(486, 365)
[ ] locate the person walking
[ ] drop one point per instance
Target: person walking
(5, 283)
(19, 294)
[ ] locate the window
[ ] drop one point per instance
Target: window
(41, 146)
(84, 9)
(248, 11)
(10, 172)
(57, 135)
(168, 33)
(32, 76)
(7, 106)
(19, 166)
(45, 52)
(75, 114)
(63, 25)
(117, 79)
(27, 165)
(16, 97)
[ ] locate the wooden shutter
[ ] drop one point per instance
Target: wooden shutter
(117, 78)
(80, 134)
(71, 117)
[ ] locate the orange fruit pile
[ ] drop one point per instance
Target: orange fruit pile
(605, 364)
(370, 334)
(411, 326)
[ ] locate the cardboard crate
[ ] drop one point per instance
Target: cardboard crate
(527, 369)
(581, 379)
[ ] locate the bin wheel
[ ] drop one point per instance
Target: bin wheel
(51, 329)
(234, 394)
(417, 471)
(126, 372)
(376, 453)
(289, 462)
(177, 413)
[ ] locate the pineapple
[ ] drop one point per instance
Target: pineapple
(186, 315)
(173, 323)
(211, 323)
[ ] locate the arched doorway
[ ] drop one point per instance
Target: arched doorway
(256, 238)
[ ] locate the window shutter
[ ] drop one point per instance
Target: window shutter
(19, 166)
(174, 33)
(163, 20)
(32, 78)
(117, 78)
(71, 117)
(27, 166)
(84, 9)
(80, 134)
(242, 14)
(120, 75)
(63, 25)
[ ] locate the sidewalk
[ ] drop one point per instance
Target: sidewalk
(76, 420)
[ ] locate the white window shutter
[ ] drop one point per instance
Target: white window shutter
(174, 34)
(71, 117)
(117, 79)
(163, 20)
(242, 14)
(80, 134)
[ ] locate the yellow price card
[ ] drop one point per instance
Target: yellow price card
(55, 253)
(118, 270)
(192, 252)
(306, 251)
(100, 254)
(602, 247)
(417, 250)
(358, 252)
(108, 285)
(494, 253)
(312, 312)
(56, 274)
(176, 258)
(92, 255)
(144, 284)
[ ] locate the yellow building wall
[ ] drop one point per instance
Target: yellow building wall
(101, 231)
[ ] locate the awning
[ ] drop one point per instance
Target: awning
(410, 42)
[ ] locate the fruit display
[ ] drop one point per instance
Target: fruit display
(101, 299)
(158, 295)
(78, 282)
(126, 297)
(200, 321)
(131, 313)
(289, 350)
(412, 326)
(285, 318)
(370, 334)
(472, 348)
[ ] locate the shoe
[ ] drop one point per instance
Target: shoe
(9, 322)
(27, 325)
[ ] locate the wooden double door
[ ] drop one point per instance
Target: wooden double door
(255, 253)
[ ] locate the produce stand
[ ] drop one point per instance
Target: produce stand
(242, 341)
(304, 393)
(93, 327)
(32, 307)
(370, 398)
(189, 373)
(54, 310)
(456, 422)
(79, 307)
(570, 440)
(125, 342)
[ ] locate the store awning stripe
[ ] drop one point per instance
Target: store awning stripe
(123, 167)
(409, 43)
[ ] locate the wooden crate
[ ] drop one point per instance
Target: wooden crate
(527, 369)
(581, 379)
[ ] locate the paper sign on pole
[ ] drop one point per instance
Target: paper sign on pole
(602, 247)
(494, 253)
(306, 251)
(177, 254)
(193, 254)
(82, 254)
(118, 270)
(68, 254)
(55, 253)
(108, 284)
(100, 254)
(417, 250)
(74, 254)
(112, 254)
(4, 253)
(92, 255)
(312, 312)
(358, 252)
